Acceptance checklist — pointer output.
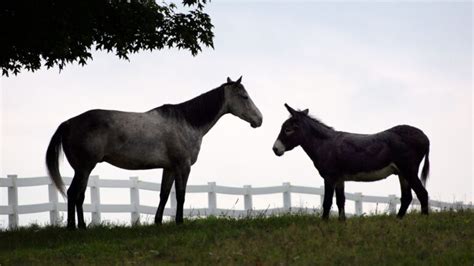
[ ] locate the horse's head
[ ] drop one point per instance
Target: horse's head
(291, 133)
(239, 103)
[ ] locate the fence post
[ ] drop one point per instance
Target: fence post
(173, 202)
(458, 205)
(135, 201)
(53, 198)
(321, 198)
(212, 198)
(248, 199)
(392, 204)
(13, 202)
(287, 197)
(95, 199)
(358, 203)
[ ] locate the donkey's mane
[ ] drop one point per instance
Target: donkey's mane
(198, 111)
(317, 126)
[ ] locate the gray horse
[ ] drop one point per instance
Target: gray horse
(167, 137)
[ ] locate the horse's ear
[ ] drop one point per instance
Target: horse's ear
(305, 111)
(239, 80)
(229, 80)
(291, 110)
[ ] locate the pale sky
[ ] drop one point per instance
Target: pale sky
(360, 67)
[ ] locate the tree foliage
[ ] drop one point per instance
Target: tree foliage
(56, 32)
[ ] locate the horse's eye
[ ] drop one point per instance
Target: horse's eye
(289, 131)
(245, 97)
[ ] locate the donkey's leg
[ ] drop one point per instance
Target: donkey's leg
(340, 200)
(166, 184)
(420, 191)
(181, 181)
(406, 196)
(328, 195)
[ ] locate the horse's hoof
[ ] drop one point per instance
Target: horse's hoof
(158, 221)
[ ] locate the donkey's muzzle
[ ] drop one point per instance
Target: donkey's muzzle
(277, 152)
(278, 148)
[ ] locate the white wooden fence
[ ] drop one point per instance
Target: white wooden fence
(12, 183)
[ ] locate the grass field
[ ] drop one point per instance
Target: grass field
(445, 238)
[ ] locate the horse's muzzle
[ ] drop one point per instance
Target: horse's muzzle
(257, 123)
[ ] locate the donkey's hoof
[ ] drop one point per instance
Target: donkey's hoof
(71, 227)
(82, 226)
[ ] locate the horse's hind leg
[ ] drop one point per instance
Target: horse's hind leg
(406, 196)
(166, 184)
(71, 203)
(75, 198)
(80, 200)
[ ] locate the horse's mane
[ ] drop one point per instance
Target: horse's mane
(198, 111)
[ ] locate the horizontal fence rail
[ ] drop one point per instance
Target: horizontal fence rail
(12, 183)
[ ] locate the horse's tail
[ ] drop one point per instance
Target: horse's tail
(52, 159)
(426, 167)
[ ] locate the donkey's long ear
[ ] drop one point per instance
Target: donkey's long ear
(291, 110)
(239, 80)
(229, 80)
(305, 111)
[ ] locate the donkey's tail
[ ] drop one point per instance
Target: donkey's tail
(426, 167)
(52, 159)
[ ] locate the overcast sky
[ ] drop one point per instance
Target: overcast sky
(359, 67)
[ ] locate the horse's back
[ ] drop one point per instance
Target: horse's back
(100, 134)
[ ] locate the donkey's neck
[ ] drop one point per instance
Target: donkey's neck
(314, 143)
(202, 112)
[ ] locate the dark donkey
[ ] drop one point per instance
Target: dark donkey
(167, 137)
(341, 156)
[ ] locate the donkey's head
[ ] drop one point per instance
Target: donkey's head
(239, 103)
(291, 133)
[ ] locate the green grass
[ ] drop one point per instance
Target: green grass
(438, 239)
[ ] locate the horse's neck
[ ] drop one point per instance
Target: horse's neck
(202, 112)
(205, 128)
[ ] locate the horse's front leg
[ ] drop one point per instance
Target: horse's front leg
(328, 195)
(181, 181)
(340, 200)
(166, 184)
